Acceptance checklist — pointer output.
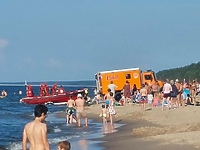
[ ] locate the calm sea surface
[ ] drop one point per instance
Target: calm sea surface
(14, 115)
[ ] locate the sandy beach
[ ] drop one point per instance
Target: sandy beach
(152, 129)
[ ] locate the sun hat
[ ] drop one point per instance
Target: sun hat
(79, 95)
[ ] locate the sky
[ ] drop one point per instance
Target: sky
(65, 40)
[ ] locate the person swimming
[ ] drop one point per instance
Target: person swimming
(4, 93)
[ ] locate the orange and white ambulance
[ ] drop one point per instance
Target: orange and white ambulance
(119, 78)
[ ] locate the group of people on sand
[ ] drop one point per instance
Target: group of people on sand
(35, 132)
(173, 94)
(177, 93)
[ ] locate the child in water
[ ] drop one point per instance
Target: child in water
(111, 109)
(64, 145)
(104, 113)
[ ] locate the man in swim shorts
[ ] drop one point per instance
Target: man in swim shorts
(70, 110)
(80, 110)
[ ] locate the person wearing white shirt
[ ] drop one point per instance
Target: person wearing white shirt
(112, 87)
(167, 88)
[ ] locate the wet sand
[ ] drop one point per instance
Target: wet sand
(152, 129)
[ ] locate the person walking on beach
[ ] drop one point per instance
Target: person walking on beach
(64, 145)
(70, 112)
(80, 110)
(36, 131)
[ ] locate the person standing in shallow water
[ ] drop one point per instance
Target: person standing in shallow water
(64, 145)
(36, 131)
(70, 110)
(111, 109)
(80, 110)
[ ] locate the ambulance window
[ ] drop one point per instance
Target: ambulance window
(148, 77)
(128, 76)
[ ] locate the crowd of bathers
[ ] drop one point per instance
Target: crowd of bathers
(173, 94)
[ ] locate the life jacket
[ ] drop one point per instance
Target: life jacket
(29, 91)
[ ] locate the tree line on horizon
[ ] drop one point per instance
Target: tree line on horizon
(189, 73)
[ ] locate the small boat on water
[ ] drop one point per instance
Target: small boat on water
(55, 96)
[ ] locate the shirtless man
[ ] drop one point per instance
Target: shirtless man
(70, 110)
(35, 132)
(80, 110)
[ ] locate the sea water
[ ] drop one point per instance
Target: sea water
(14, 115)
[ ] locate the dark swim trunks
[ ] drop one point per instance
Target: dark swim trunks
(70, 111)
(166, 95)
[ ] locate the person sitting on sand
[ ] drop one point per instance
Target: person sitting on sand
(64, 145)
(99, 98)
(137, 96)
(186, 98)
